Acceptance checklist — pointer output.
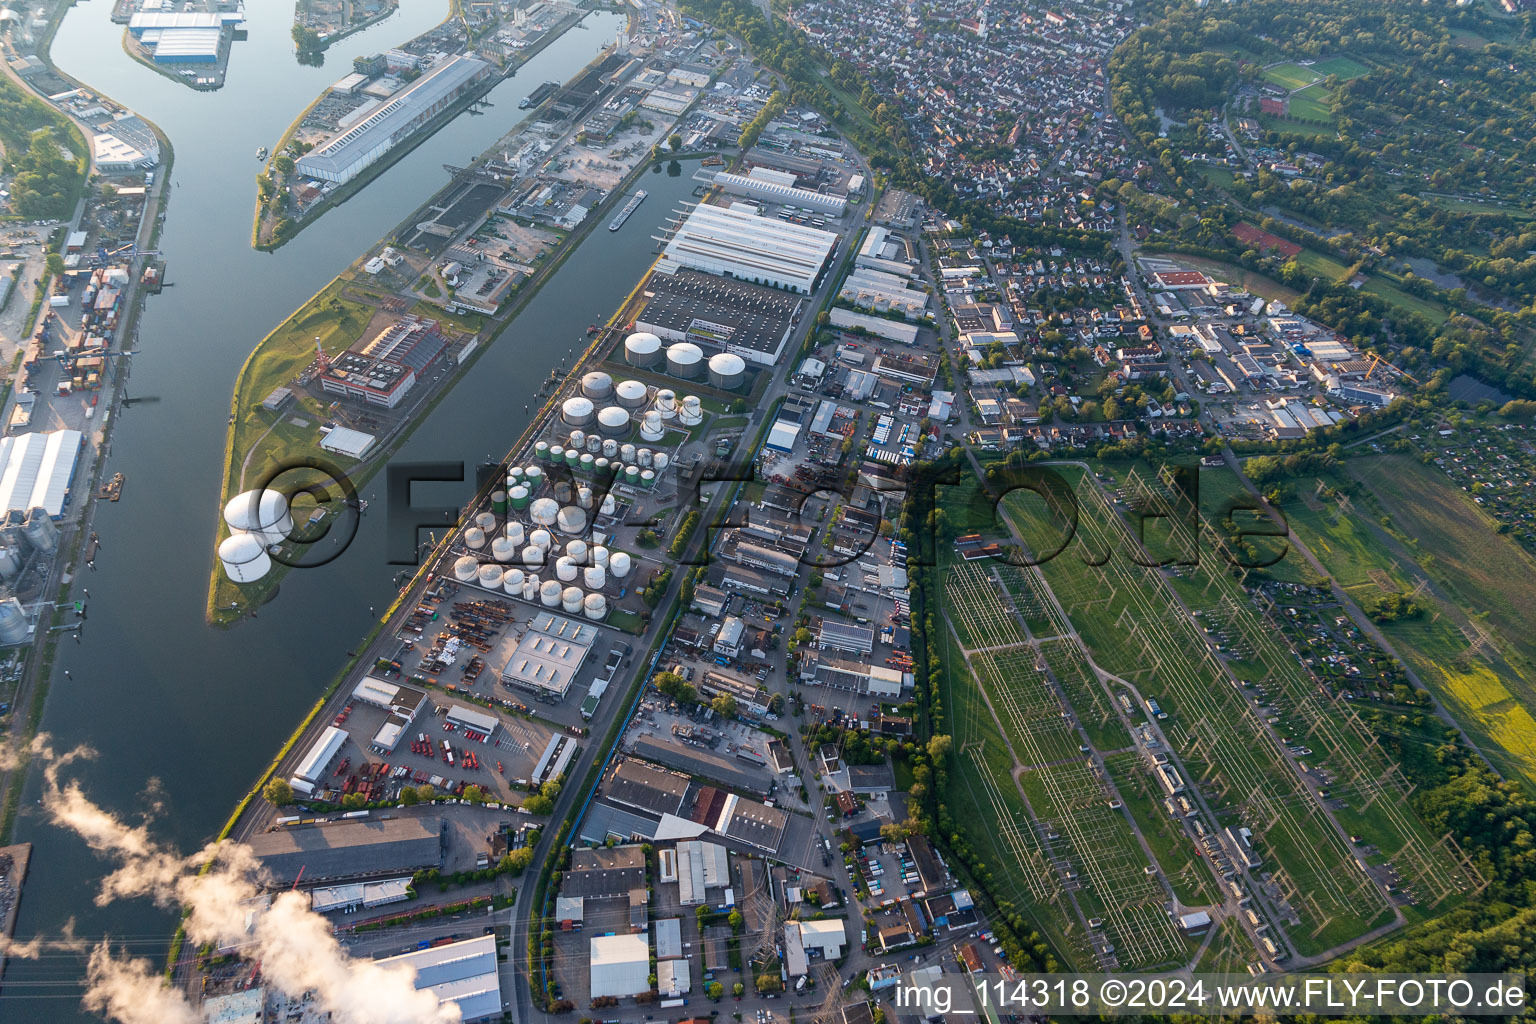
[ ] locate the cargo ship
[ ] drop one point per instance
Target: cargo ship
(538, 95)
(629, 208)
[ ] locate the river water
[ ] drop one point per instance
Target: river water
(183, 716)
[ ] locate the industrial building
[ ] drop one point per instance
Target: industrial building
(359, 895)
(620, 966)
(701, 866)
(183, 37)
(317, 760)
(463, 973)
(883, 292)
(638, 784)
(673, 978)
(549, 655)
(345, 155)
(352, 848)
(737, 243)
(749, 320)
(383, 370)
(403, 703)
(36, 469)
(856, 676)
(765, 184)
(891, 330)
(126, 143)
(604, 872)
(825, 938)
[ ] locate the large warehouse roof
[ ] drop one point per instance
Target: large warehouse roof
(738, 243)
(460, 972)
(35, 470)
(320, 754)
(350, 849)
(621, 965)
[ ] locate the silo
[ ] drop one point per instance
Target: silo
(549, 593)
(632, 475)
(531, 588)
(543, 512)
(577, 440)
(619, 563)
(534, 477)
(644, 457)
(512, 581)
(518, 497)
(594, 444)
(613, 421)
(666, 403)
(602, 468)
(571, 600)
(588, 463)
(465, 568)
(10, 561)
(692, 412)
(642, 349)
(608, 506)
(631, 394)
(474, 537)
(573, 458)
(597, 385)
(13, 620)
(610, 448)
(503, 550)
(571, 520)
(594, 576)
(486, 521)
(661, 462)
(576, 551)
(595, 607)
(565, 570)
(515, 532)
(514, 476)
(489, 576)
(577, 411)
(541, 539)
(557, 454)
(685, 360)
(499, 502)
(650, 427)
(260, 512)
(600, 556)
(533, 556)
(244, 557)
(647, 478)
(627, 454)
(541, 450)
(727, 371)
(584, 497)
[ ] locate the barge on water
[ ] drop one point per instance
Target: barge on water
(538, 95)
(629, 208)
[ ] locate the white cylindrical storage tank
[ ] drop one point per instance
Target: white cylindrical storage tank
(543, 512)
(533, 556)
(577, 411)
(534, 478)
(515, 532)
(541, 539)
(727, 371)
(465, 568)
(577, 439)
(577, 551)
(661, 462)
(610, 448)
(602, 468)
(43, 535)
(618, 564)
(642, 349)
(243, 556)
(499, 503)
(631, 394)
(588, 463)
(643, 458)
(685, 359)
(486, 521)
(666, 403)
(503, 550)
(627, 453)
(541, 450)
(647, 478)
(595, 607)
(594, 444)
(597, 385)
(600, 556)
(565, 570)
(490, 576)
(613, 421)
(474, 537)
(549, 593)
(512, 581)
(557, 453)
(608, 506)
(570, 600)
(594, 576)
(260, 512)
(515, 475)
(692, 412)
(10, 561)
(571, 520)
(632, 475)
(518, 497)
(650, 427)
(13, 618)
(530, 588)
(584, 497)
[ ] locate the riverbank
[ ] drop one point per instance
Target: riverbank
(263, 226)
(13, 875)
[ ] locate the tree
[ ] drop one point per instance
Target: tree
(724, 705)
(538, 804)
(515, 862)
(409, 797)
(278, 792)
(716, 990)
(939, 748)
(55, 265)
(283, 164)
(675, 142)
(737, 989)
(425, 793)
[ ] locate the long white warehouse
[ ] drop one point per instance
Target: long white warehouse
(739, 244)
(756, 186)
(35, 470)
(344, 156)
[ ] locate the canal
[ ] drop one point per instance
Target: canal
(183, 717)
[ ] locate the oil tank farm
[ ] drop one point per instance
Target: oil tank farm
(727, 371)
(642, 349)
(685, 360)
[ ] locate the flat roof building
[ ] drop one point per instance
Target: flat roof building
(644, 786)
(319, 757)
(383, 369)
(750, 320)
(463, 973)
(345, 155)
(353, 848)
(549, 655)
(36, 469)
(890, 330)
(620, 966)
(766, 187)
(763, 250)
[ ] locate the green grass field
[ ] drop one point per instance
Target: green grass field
(1291, 76)
(1314, 103)
(1327, 267)
(1344, 68)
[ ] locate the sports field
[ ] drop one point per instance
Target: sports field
(1344, 68)
(1291, 76)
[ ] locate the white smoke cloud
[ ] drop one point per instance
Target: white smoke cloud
(218, 888)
